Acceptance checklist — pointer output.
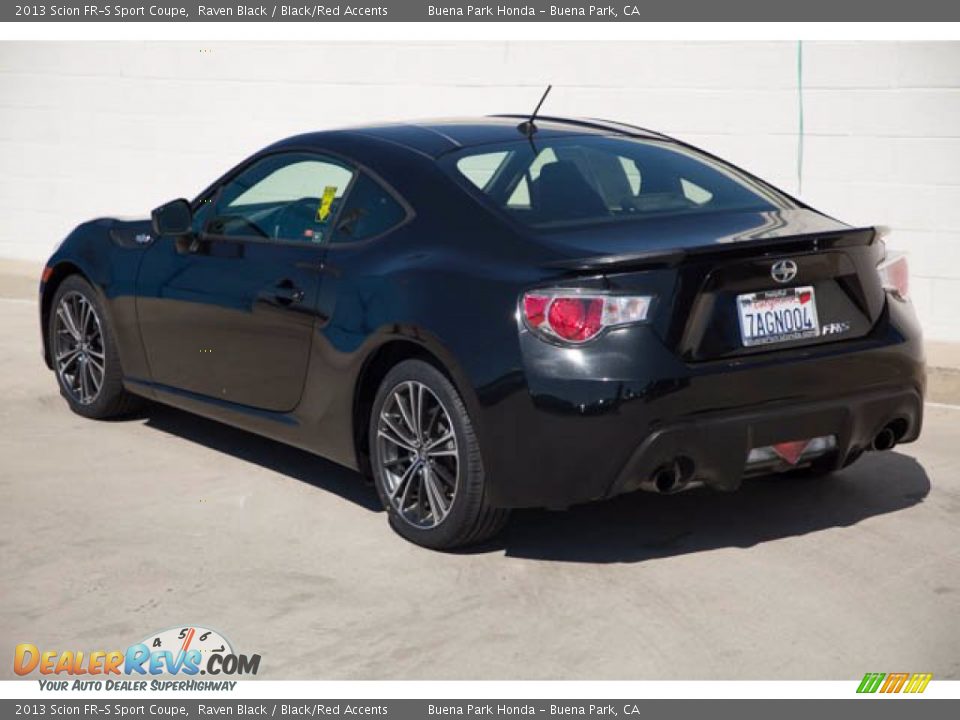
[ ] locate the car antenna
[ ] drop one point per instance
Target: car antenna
(527, 127)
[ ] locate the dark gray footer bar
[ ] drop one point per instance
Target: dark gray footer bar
(874, 708)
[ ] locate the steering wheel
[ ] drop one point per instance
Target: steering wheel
(295, 218)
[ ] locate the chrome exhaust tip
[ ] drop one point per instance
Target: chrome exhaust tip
(666, 479)
(670, 478)
(886, 439)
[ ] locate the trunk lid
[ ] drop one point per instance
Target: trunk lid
(718, 293)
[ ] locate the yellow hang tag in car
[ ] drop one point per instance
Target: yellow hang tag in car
(326, 202)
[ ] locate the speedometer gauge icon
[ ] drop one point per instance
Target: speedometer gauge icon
(183, 639)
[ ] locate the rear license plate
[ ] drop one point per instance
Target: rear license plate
(777, 316)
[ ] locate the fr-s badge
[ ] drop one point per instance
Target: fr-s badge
(837, 328)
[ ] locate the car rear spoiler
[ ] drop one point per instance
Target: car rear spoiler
(653, 259)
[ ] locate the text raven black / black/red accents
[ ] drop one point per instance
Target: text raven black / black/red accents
(483, 316)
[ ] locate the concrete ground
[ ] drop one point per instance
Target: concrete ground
(113, 530)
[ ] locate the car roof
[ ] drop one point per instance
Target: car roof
(434, 138)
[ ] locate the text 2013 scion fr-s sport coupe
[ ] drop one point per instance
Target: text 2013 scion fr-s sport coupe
(488, 314)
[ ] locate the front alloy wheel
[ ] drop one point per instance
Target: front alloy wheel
(83, 352)
(78, 353)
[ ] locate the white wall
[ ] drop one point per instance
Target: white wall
(89, 129)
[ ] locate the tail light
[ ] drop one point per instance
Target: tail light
(576, 317)
(895, 274)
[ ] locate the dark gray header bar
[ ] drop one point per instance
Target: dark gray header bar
(459, 11)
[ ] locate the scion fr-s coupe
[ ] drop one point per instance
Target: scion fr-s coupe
(489, 314)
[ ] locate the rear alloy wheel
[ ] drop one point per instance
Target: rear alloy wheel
(418, 455)
(84, 354)
(426, 460)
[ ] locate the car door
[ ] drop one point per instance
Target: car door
(228, 311)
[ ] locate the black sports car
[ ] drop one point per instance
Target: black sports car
(487, 314)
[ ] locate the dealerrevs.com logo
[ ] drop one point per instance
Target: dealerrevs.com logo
(183, 651)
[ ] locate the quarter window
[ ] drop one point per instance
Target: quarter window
(293, 196)
(369, 211)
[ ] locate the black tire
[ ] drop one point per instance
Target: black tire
(470, 518)
(110, 399)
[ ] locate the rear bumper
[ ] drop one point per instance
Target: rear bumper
(576, 432)
(717, 444)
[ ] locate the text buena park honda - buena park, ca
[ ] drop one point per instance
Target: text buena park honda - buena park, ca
(586, 709)
(488, 11)
(320, 11)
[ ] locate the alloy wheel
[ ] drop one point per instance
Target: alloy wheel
(418, 455)
(79, 355)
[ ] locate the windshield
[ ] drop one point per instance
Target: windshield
(595, 179)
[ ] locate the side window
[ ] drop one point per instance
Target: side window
(291, 196)
(369, 211)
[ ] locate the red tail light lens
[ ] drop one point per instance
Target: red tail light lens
(535, 308)
(577, 317)
(895, 275)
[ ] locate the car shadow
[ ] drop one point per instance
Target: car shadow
(270, 454)
(637, 527)
(626, 529)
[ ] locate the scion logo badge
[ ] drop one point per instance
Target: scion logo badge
(914, 683)
(783, 271)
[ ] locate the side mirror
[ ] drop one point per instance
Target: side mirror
(172, 218)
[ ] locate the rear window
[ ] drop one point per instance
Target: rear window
(595, 179)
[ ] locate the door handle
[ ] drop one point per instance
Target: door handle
(284, 293)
